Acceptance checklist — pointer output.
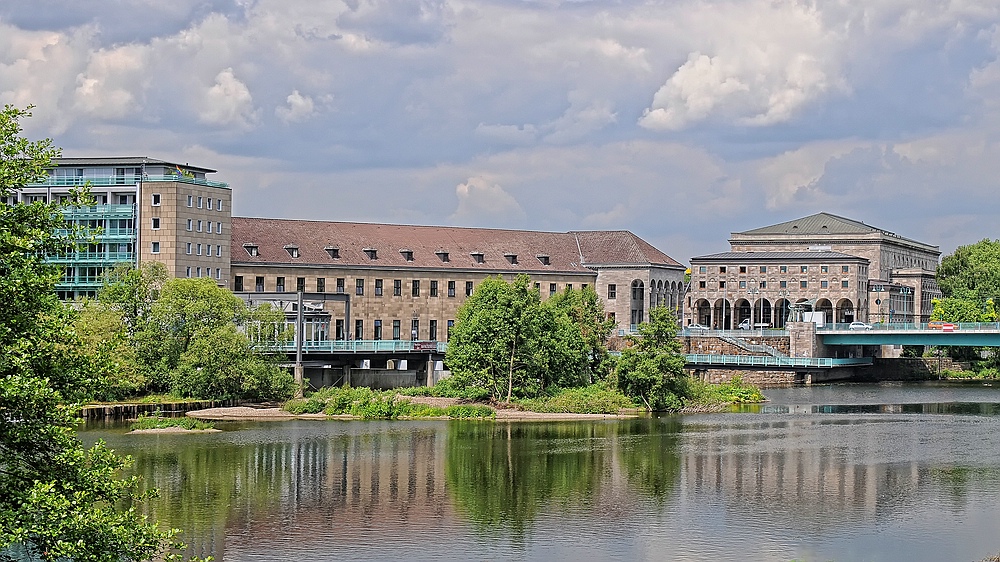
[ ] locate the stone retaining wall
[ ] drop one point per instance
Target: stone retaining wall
(716, 346)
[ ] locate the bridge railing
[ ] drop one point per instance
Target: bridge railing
(770, 361)
(361, 346)
(963, 326)
(768, 332)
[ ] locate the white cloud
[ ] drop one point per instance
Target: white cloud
(111, 84)
(481, 202)
(298, 108)
(228, 103)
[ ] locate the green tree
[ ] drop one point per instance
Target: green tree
(586, 311)
(651, 367)
(58, 500)
(971, 272)
(507, 342)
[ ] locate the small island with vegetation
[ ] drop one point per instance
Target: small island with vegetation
(157, 423)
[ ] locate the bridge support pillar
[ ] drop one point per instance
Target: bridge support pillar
(347, 375)
(430, 372)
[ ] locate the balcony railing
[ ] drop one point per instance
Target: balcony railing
(92, 212)
(98, 257)
(362, 346)
(106, 181)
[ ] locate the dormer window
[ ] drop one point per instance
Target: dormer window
(407, 254)
(292, 250)
(543, 258)
(443, 255)
(251, 249)
(511, 258)
(372, 253)
(477, 257)
(333, 251)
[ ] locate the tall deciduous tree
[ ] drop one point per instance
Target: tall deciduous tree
(586, 310)
(506, 341)
(971, 272)
(651, 368)
(57, 500)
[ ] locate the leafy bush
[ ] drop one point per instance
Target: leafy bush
(156, 421)
(447, 388)
(593, 399)
(736, 391)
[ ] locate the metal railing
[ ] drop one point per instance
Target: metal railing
(752, 347)
(90, 212)
(106, 181)
(900, 326)
(769, 361)
(770, 332)
(361, 346)
(102, 257)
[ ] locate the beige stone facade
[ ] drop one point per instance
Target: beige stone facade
(376, 266)
(879, 276)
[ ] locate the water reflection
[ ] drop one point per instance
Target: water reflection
(801, 481)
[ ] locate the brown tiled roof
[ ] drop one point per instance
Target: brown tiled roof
(274, 238)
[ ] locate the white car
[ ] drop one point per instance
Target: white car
(859, 326)
(698, 328)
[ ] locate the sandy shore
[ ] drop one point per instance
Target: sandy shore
(277, 414)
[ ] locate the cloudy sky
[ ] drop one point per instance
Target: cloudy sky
(681, 120)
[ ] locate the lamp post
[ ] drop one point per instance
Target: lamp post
(753, 290)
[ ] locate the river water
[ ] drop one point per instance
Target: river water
(844, 472)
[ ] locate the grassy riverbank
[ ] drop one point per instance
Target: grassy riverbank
(155, 421)
(368, 404)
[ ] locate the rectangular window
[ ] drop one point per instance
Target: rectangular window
(359, 329)
(824, 284)
(569, 286)
(845, 269)
(433, 332)
(300, 284)
(238, 283)
(378, 329)
(218, 227)
(395, 330)
(415, 288)
(199, 226)
(844, 284)
(552, 289)
(824, 269)
(199, 249)
(218, 273)
(703, 269)
(188, 271)
(743, 284)
(451, 324)
(803, 269)
(209, 204)
(434, 288)
(156, 199)
(468, 288)
(743, 269)
(451, 288)
(612, 291)
(763, 284)
(190, 225)
(414, 329)
(218, 205)
(208, 227)
(199, 202)
(156, 248)
(378, 287)
(189, 248)
(279, 284)
(340, 284)
(339, 329)
(803, 284)
(190, 201)
(359, 287)
(321, 284)
(722, 284)
(763, 269)
(702, 284)
(199, 272)
(397, 287)
(156, 223)
(783, 269)
(218, 250)
(258, 284)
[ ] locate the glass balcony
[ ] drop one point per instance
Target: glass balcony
(108, 258)
(107, 181)
(98, 212)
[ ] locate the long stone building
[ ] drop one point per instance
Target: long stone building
(841, 267)
(407, 282)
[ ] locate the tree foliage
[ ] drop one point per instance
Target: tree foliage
(57, 500)
(507, 341)
(651, 367)
(188, 337)
(971, 272)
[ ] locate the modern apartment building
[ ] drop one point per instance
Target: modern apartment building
(845, 268)
(407, 282)
(144, 210)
